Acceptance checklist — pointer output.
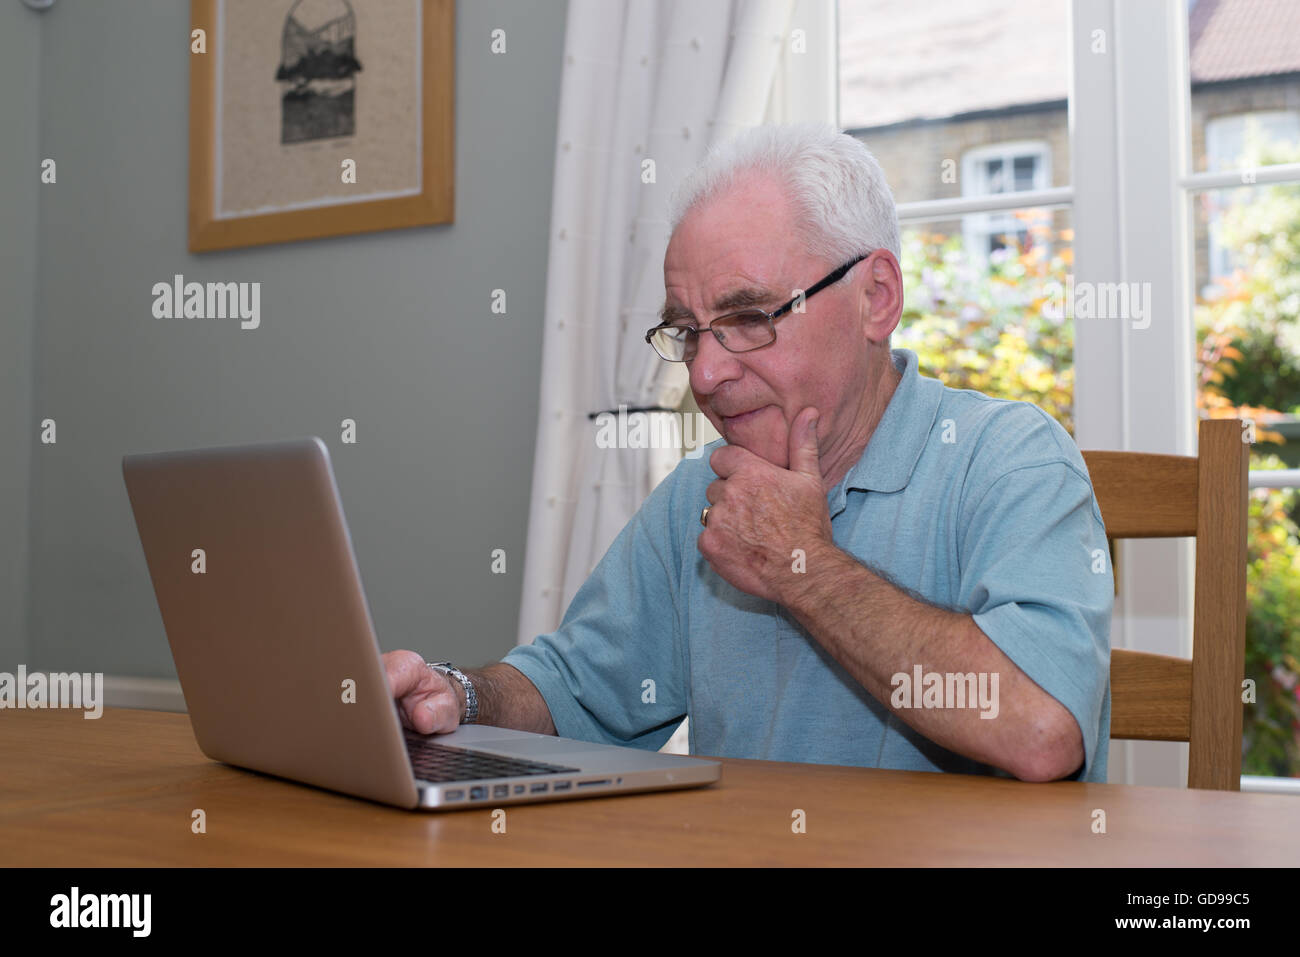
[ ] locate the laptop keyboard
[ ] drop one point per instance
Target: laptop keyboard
(442, 762)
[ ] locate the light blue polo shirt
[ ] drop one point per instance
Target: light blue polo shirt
(975, 504)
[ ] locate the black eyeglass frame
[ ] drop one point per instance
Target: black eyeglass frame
(834, 276)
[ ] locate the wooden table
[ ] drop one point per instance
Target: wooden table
(120, 791)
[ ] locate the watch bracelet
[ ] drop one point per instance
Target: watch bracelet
(471, 698)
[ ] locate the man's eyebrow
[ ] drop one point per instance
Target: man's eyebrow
(742, 298)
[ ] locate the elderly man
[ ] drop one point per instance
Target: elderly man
(889, 573)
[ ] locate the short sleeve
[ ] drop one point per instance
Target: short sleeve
(614, 671)
(1036, 576)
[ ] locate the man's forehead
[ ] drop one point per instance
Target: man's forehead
(741, 227)
(726, 275)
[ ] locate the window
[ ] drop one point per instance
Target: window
(1002, 168)
(1239, 141)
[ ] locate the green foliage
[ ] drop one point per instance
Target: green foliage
(1271, 743)
(1267, 374)
(989, 329)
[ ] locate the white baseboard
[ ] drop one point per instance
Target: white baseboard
(151, 694)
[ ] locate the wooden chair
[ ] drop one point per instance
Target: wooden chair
(1161, 698)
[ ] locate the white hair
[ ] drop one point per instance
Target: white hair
(843, 206)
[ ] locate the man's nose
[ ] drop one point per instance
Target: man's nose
(712, 365)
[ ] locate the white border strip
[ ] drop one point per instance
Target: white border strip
(1260, 784)
(1275, 478)
(1250, 176)
(932, 209)
(317, 203)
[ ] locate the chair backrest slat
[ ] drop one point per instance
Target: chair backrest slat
(1150, 696)
(1144, 495)
(1219, 619)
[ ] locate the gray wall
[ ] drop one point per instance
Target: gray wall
(392, 329)
(19, 186)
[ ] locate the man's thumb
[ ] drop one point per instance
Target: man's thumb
(804, 454)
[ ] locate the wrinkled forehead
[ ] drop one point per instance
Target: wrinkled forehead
(744, 265)
(727, 278)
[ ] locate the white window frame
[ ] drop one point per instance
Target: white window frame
(1134, 387)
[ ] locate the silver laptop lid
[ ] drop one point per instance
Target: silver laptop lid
(261, 600)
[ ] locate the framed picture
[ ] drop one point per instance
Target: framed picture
(313, 118)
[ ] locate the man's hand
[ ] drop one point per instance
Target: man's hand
(760, 513)
(428, 701)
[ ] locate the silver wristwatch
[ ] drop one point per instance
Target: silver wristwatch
(471, 699)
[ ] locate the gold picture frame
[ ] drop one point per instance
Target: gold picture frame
(228, 143)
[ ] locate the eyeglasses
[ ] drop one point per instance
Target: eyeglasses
(737, 331)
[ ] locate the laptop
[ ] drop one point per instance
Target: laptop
(261, 600)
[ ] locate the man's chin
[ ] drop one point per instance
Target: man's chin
(764, 450)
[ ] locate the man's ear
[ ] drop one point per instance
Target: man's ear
(882, 294)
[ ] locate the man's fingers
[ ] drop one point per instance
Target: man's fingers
(430, 714)
(444, 712)
(727, 458)
(416, 715)
(425, 700)
(803, 452)
(405, 671)
(714, 492)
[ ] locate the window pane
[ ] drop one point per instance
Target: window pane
(1024, 167)
(1245, 83)
(926, 84)
(993, 177)
(991, 320)
(1247, 244)
(1248, 366)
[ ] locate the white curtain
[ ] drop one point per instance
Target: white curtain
(642, 80)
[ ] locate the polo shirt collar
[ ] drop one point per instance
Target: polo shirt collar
(896, 445)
